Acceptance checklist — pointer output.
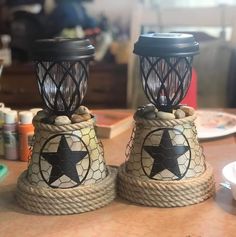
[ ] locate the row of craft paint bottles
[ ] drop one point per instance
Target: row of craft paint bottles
(15, 136)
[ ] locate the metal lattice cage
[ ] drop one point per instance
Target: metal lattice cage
(62, 72)
(165, 80)
(166, 67)
(62, 85)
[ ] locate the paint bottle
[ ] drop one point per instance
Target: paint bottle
(26, 133)
(10, 135)
(2, 111)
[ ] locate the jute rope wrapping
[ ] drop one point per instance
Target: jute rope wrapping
(137, 187)
(166, 193)
(63, 128)
(50, 201)
(34, 194)
(165, 123)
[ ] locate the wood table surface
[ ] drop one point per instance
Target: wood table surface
(215, 217)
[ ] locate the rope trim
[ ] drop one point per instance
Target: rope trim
(50, 201)
(166, 193)
(161, 122)
(64, 128)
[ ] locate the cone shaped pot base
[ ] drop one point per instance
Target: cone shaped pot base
(165, 166)
(67, 173)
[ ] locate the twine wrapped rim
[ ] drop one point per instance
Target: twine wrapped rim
(49, 201)
(166, 193)
(165, 122)
(63, 128)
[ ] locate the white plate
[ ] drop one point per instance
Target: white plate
(214, 124)
(229, 174)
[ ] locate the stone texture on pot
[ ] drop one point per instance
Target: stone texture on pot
(165, 115)
(62, 120)
(76, 118)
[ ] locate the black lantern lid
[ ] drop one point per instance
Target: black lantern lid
(166, 45)
(62, 49)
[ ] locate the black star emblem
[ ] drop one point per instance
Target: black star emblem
(165, 155)
(64, 161)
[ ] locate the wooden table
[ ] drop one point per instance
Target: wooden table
(212, 218)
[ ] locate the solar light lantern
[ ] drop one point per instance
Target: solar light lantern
(67, 160)
(165, 165)
(166, 67)
(62, 72)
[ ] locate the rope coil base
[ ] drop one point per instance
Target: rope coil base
(50, 201)
(166, 193)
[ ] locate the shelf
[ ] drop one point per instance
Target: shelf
(106, 86)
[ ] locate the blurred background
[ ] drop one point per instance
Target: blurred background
(113, 27)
